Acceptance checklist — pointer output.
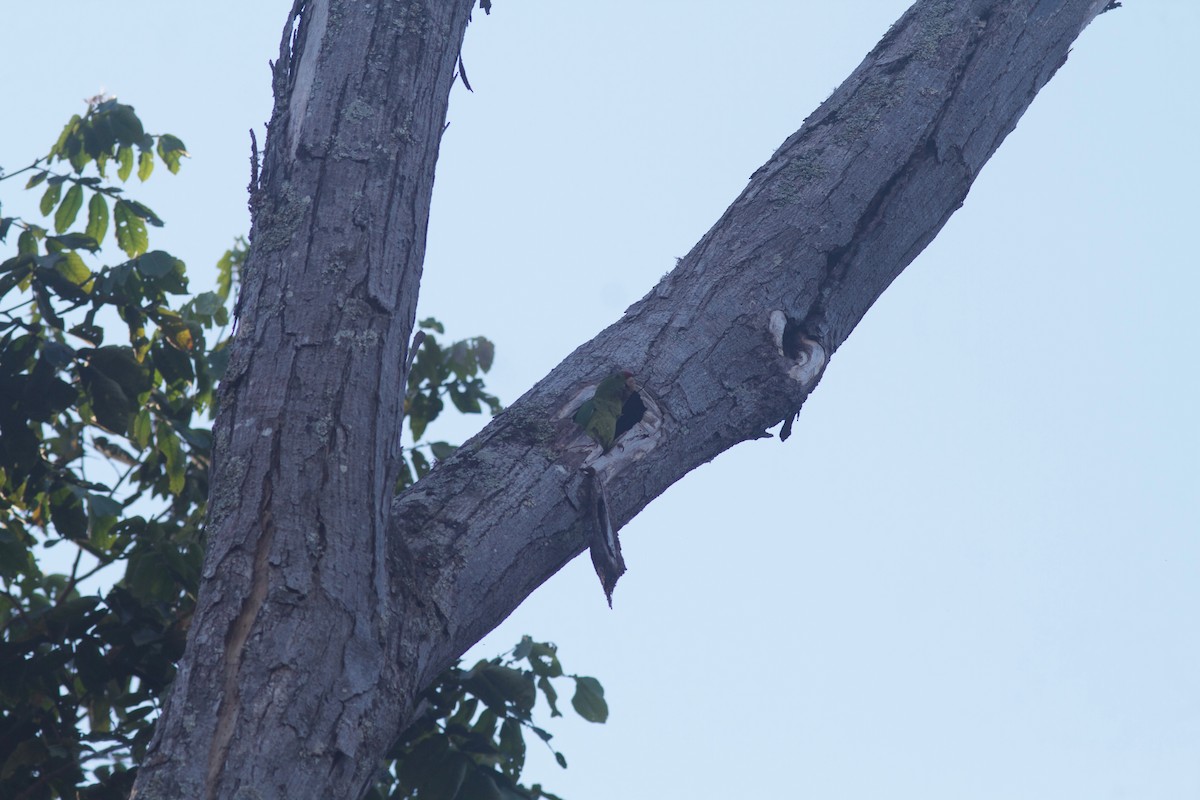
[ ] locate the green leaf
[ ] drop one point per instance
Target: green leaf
(103, 513)
(588, 700)
(98, 137)
(119, 363)
(145, 165)
(441, 451)
(165, 271)
(126, 126)
(50, 198)
(124, 162)
(102, 505)
(543, 660)
(478, 785)
(548, 690)
(42, 299)
(182, 334)
(144, 212)
(170, 150)
(431, 324)
(432, 769)
(68, 514)
(69, 208)
(36, 179)
(67, 131)
(218, 360)
(131, 230)
(140, 433)
(27, 243)
(114, 380)
(465, 401)
(156, 264)
(512, 743)
(74, 241)
(420, 463)
(71, 267)
(485, 352)
(168, 445)
(500, 687)
(97, 225)
(208, 303)
(523, 648)
(174, 366)
(92, 334)
(229, 267)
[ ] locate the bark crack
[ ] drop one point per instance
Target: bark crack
(235, 642)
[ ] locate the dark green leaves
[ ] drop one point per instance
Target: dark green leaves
(125, 126)
(83, 676)
(588, 700)
(437, 373)
(113, 380)
(471, 741)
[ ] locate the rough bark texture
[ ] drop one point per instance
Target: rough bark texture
(322, 614)
(292, 685)
(733, 340)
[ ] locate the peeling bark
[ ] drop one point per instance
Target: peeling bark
(326, 605)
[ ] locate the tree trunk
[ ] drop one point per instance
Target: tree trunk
(292, 686)
(327, 606)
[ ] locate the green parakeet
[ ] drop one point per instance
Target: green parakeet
(598, 415)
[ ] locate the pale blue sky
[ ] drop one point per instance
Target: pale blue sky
(974, 571)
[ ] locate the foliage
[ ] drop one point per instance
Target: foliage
(105, 449)
(439, 372)
(469, 742)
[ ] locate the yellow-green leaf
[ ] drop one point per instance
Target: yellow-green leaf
(131, 230)
(50, 198)
(71, 267)
(67, 130)
(97, 225)
(124, 162)
(68, 209)
(141, 429)
(168, 445)
(170, 149)
(145, 164)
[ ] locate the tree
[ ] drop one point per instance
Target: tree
(828, 223)
(84, 673)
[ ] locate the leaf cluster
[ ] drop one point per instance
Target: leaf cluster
(469, 743)
(104, 450)
(107, 389)
(453, 371)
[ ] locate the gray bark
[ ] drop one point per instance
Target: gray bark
(326, 606)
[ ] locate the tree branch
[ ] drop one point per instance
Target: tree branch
(732, 341)
(326, 607)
